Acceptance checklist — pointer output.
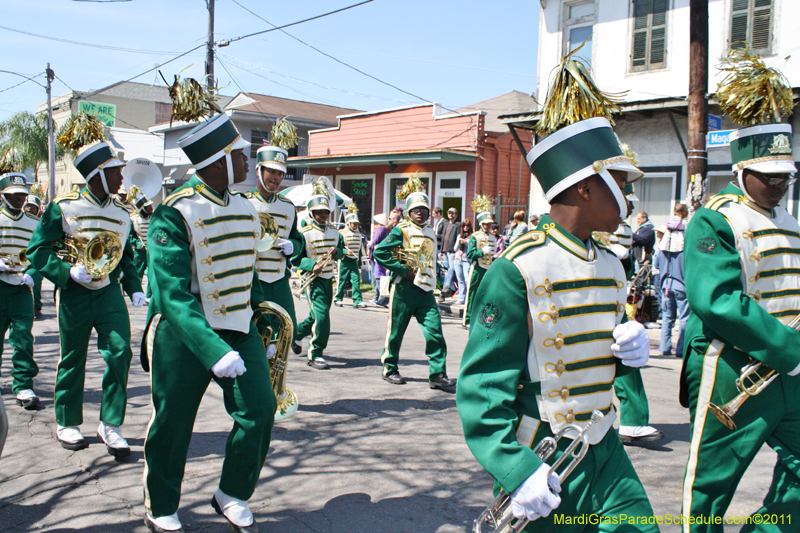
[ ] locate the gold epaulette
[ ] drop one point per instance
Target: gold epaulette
(183, 192)
(721, 199)
(248, 194)
(600, 244)
(68, 196)
(120, 203)
(283, 199)
(529, 240)
(237, 193)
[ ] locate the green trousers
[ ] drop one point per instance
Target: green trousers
(407, 300)
(319, 296)
(16, 317)
(178, 383)
(37, 295)
(349, 270)
(79, 311)
(633, 408)
(140, 264)
(476, 275)
(281, 293)
(602, 488)
(718, 456)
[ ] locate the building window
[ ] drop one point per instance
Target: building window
(649, 49)
(751, 23)
(257, 140)
(578, 24)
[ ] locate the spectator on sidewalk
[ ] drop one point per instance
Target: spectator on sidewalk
(449, 242)
(518, 226)
(673, 291)
(383, 225)
(644, 236)
(463, 262)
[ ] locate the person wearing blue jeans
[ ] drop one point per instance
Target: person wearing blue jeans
(674, 302)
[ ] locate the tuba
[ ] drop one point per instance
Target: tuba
(754, 378)
(100, 255)
(269, 232)
(498, 514)
(419, 258)
(286, 398)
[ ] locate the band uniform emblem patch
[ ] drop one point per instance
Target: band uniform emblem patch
(160, 237)
(489, 315)
(780, 145)
(707, 245)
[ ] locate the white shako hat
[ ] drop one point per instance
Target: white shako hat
(272, 157)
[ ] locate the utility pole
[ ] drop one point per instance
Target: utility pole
(51, 141)
(697, 159)
(210, 45)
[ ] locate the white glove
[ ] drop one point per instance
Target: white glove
(620, 251)
(487, 250)
(537, 496)
(5, 264)
(271, 351)
(632, 344)
(27, 280)
(230, 366)
(138, 299)
(286, 246)
(80, 274)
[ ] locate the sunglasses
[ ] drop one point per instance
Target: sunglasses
(776, 182)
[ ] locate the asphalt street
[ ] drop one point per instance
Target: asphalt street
(360, 455)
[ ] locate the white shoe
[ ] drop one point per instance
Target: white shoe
(236, 511)
(163, 523)
(632, 434)
(27, 399)
(112, 437)
(70, 438)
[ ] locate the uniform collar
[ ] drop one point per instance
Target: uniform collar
(261, 197)
(566, 240)
(88, 195)
(414, 224)
(201, 187)
(733, 189)
(7, 212)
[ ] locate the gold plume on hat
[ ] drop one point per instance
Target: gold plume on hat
(320, 188)
(37, 190)
(81, 130)
(191, 100)
(284, 134)
(482, 204)
(574, 96)
(11, 161)
(352, 209)
(628, 152)
(752, 94)
(412, 185)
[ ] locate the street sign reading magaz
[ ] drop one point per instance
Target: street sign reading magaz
(715, 139)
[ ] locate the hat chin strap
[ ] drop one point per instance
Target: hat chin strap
(740, 179)
(103, 181)
(229, 163)
(622, 203)
(7, 204)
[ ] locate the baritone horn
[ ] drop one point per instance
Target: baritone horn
(100, 255)
(754, 378)
(286, 398)
(269, 232)
(498, 515)
(419, 258)
(308, 277)
(20, 258)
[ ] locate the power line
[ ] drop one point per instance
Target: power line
(20, 83)
(78, 43)
(27, 78)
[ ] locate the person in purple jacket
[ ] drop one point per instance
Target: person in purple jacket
(384, 226)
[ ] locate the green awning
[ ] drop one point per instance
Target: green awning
(381, 158)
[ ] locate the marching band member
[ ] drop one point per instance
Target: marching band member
(564, 293)
(350, 265)
(273, 265)
(412, 289)
(140, 222)
(202, 254)
(481, 254)
(742, 262)
(18, 277)
(322, 245)
(33, 206)
(85, 302)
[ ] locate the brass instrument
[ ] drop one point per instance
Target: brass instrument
(20, 258)
(498, 515)
(269, 232)
(419, 258)
(100, 255)
(308, 277)
(749, 383)
(286, 398)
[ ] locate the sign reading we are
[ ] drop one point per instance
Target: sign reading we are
(106, 113)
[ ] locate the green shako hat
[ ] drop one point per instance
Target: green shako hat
(352, 214)
(211, 141)
(413, 192)
(272, 157)
(95, 159)
(320, 198)
(13, 182)
(766, 149)
(482, 206)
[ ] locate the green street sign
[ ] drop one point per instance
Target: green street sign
(106, 113)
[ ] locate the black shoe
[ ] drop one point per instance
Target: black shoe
(394, 378)
(38, 314)
(319, 363)
(441, 382)
(233, 528)
(155, 529)
(296, 348)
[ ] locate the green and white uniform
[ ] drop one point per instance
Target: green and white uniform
(350, 265)
(16, 308)
(138, 238)
(743, 282)
(480, 264)
(202, 257)
(273, 267)
(81, 307)
(316, 242)
(411, 299)
(565, 297)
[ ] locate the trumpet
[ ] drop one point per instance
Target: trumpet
(308, 277)
(754, 378)
(100, 255)
(20, 258)
(286, 398)
(269, 232)
(498, 515)
(415, 258)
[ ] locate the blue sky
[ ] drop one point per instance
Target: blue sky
(455, 53)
